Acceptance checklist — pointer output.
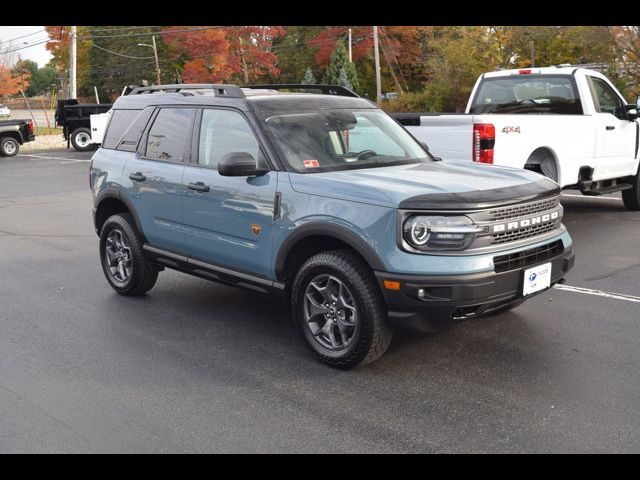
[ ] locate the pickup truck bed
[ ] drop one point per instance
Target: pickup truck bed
(14, 133)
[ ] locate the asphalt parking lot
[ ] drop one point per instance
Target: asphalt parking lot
(199, 367)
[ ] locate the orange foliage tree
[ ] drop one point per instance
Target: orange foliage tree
(13, 81)
(220, 54)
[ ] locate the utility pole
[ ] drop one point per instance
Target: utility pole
(533, 51)
(155, 52)
(350, 57)
(72, 64)
(376, 54)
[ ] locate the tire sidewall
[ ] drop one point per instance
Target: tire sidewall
(355, 351)
(9, 140)
(77, 132)
(116, 222)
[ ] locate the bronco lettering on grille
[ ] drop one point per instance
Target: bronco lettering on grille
(527, 222)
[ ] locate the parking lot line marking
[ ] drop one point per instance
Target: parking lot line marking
(591, 196)
(598, 293)
(64, 161)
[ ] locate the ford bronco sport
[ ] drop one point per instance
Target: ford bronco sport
(324, 201)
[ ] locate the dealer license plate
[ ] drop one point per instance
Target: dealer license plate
(536, 279)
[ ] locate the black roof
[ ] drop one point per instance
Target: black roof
(261, 98)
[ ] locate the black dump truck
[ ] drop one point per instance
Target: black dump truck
(75, 120)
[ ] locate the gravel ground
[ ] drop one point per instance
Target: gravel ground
(44, 142)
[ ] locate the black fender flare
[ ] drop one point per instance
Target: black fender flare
(338, 232)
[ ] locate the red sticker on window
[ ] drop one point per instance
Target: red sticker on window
(311, 164)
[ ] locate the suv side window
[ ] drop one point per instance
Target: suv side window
(605, 99)
(222, 132)
(120, 121)
(167, 138)
(131, 137)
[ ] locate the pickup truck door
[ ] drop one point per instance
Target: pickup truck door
(228, 220)
(615, 137)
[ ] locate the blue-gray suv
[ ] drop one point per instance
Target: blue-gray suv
(323, 200)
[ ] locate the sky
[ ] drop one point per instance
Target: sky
(38, 53)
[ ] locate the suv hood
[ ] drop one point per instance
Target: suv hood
(435, 185)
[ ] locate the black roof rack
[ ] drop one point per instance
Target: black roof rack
(325, 89)
(219, 90)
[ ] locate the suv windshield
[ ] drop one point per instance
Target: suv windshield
(527, 94)
(312, 141)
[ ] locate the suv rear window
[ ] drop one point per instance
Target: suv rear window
(527, 94)
(167, 137)
(120, 122)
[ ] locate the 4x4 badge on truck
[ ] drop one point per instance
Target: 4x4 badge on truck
(256, 229)
(511, 129)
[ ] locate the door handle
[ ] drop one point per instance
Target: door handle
(137, 177)
(198, 187)
(610, 127)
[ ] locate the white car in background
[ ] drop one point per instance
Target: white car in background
(4, 111)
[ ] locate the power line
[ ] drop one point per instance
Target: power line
(3, 52)
(119, 54)
(23, 36)
(150, 33)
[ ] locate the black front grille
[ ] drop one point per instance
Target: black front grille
(527, 232)
(514, 261)
(522, 210)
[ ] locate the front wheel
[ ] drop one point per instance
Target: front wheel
(123, 261)
(631, 196)
(337, 304)
(81, 139)
(9, 147)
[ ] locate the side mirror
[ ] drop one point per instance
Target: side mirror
(239, 164)
(631, 111)
(426, 147)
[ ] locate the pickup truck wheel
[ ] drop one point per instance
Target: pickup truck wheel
(631, 196)
(9, 147)
(123, 261)
(337, 305)
(81, 139)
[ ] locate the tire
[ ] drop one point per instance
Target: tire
(81, 139)
(9, 146)
(123, 261)
(631, 197)
(359, 328)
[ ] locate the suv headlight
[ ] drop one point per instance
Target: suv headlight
(439, 233)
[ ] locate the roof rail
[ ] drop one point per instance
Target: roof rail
(325, 89)
(219, 90)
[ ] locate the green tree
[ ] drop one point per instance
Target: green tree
(309, 78)
(339, 61)
(343, 80)
(294, 54)
(42, 81)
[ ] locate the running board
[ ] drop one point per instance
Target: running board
(602, 187)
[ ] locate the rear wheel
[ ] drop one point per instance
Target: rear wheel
(631, 197)
(337, 304)
(123, 261)
(81, 139)
(9, 147)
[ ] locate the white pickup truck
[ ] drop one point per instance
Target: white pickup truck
(567, 123)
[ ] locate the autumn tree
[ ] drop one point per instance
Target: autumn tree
(626, 42)
(58, 45)
(251, 49)
(204, 55)
(294, 54)
(12, 82)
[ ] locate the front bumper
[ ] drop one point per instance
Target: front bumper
(451, 297)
